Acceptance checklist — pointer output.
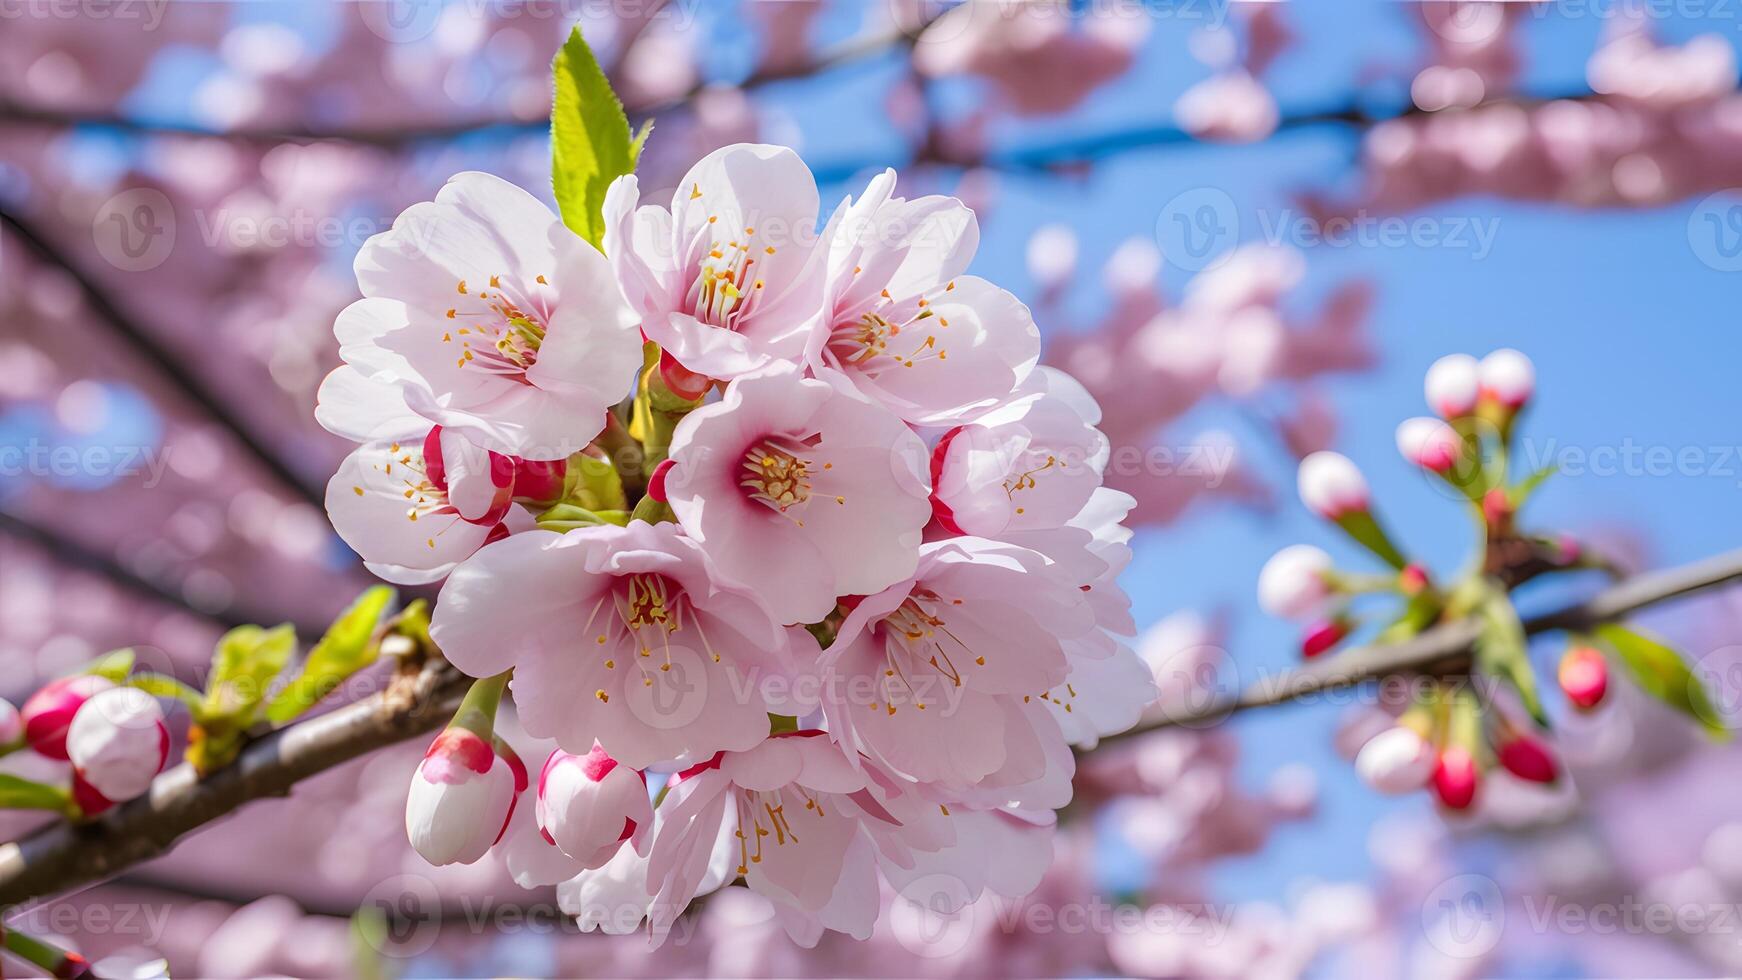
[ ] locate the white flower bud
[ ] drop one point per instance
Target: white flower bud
(462, 794)
(1395, 761)
(1452, 385)
(118, 743)
(588, 805)
(1292, 584)
(1331, 485)
(1429, 443)
(1508, 377)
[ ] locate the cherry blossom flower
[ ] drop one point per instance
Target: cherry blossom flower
(934, 678)
(729, 279)
(1031, 464)
(801, 490)
(464, 313)
(929, 343)
(621, 635)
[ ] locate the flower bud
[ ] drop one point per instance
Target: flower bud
(588, 805)
(1412, 579)
(1508, 378)
(1397, 760)
(540, 483)
(11, 725)
(1528, 758)
(118, 743)
(1452, 385)
(1497, 507)
(1429, 444)
(462, 794)
(1584, 677)
(1331, 486)
(49, 712)
(1455, 778)
(681, 381)
(1322, 636)
(1292, 584)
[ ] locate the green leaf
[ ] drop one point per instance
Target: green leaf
(18, 793)
(114, 665)
(244, 664)
(1502, 651)
(1530, 484)
(1366, 530)
(1664, 675)
(164, 686)
(348, 646)
(590, 145)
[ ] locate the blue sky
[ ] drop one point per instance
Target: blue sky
(1634, 337)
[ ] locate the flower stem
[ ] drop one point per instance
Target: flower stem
(52, 959)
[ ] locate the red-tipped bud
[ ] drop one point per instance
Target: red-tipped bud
(1322, 636)
(1508, 378)
(1455, 778)
(1331, 485)
(1412, 579)
(656, 482)
(1584, 677)
(682, 382)
(1293, 583)
(462, 796)
(588, 805)
(1452, 385)
(1496, 507)
(1528, 758)
(1430, 444)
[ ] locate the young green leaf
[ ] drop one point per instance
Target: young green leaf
(245, 662)
(348, 646)
(164, 686)
(114, 665)
(1502, 651)
(590, 144)
(18, 793)
(1664, 675)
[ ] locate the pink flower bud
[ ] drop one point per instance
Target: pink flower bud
(656, 482)
(1412, 579)
(539, 482)
(1508, 378)
(1584, 677)
(1331, 486)
(1452, 385)
(49, 712)
(462, 794)
(1455, 778)
(1429, 443)
(1496, 507)
(1292, 584)
(1528, 758)
(1322, 636)
(118, 743)
(681, 381)
(1396, 760)
(11, 725)
(588, 805)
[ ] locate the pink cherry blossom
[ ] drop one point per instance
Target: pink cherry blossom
(729, 280)
(620, 635)
(934, 678)
(929, 343)
(800, 490)
(464, 313)
(1031, 464)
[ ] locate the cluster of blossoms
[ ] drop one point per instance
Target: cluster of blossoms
(1456, 726)
(114, 737)
(788, 543)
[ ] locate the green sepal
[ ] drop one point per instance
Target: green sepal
(1662, 673)
(113, 666)
(165, 686)
(566, 517)
(18, 793)
(597, 486)
(1502, 650)
(1365, 529)
(653, 512)
(349, 645)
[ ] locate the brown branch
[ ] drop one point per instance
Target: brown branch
(1445, 646)
(63, 856)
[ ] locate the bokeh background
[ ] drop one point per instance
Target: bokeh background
(1247, 227)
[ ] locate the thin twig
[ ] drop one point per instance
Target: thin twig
(146, 345)
(63, 856)
(1436, 648)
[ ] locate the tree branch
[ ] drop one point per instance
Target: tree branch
(1444, 645)
(62, 856)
